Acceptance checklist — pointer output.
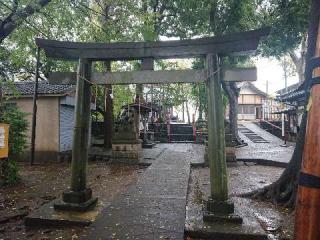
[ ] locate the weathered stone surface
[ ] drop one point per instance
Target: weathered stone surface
(219, 226)
(46, 215)
(220, 207)
(230, 218)
(154, 208)
(79, 207)
(270, 153)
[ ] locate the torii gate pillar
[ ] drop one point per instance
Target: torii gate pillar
(219, 207)
(79, 197)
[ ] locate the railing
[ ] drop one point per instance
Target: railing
(273, 129)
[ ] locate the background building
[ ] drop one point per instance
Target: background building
(54, 129)
(250, 102)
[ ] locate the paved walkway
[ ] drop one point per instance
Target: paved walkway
(154, 207)
(261, 150)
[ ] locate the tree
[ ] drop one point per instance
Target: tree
(235, 16)
(288, 69)
(18, 15)
(284, 190)
(289, 21)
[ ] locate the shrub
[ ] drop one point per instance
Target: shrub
(17, 141)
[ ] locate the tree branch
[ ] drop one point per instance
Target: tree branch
(17, 16)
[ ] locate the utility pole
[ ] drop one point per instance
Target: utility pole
(35, 108)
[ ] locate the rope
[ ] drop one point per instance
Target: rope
(213, 74)
(91, 83)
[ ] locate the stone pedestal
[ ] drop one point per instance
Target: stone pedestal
(128, 152)
(230, 154)
(76, 201)
(220, 211)
(126, 145)
(230, 148)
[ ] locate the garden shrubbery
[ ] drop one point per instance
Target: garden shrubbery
(17, 141)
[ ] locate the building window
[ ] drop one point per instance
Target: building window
(247, 109)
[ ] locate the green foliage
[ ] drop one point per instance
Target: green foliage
(122, 95)
(289, 21)
(17, 140)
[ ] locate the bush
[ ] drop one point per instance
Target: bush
(17, 141)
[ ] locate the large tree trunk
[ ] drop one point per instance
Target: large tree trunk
(284, 190)
(233, 93)
(299, 62)
(17, 16)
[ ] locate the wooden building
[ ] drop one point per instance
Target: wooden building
(250, 102)
(293, 100)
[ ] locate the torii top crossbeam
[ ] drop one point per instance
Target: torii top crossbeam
(237, 43)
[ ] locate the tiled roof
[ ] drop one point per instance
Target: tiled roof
(44, 88)
(253, 88)
(295, 92)
(292, 96)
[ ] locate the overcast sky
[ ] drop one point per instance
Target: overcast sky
(270, 70)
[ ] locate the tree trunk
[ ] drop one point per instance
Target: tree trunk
(196, 109)
(183, 118)
(188, 112)
(284, 190)
(233, 93)
(201, 104)
(17, 16)
(299, 64)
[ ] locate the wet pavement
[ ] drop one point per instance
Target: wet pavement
(261, 220)
(269, 149)
(154, 207)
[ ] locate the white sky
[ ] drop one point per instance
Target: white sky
(270, 70)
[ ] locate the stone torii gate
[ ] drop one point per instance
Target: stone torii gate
(79, 197)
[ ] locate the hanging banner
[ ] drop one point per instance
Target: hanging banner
(4, 136)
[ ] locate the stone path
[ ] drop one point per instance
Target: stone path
(154, 207)
(269, 150)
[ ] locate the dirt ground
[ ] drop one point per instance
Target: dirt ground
(276, 221)
(43, 183)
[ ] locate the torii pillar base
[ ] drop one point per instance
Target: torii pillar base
(76, 201)
(220, 211)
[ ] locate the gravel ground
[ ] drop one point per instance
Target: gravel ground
(40, 184)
